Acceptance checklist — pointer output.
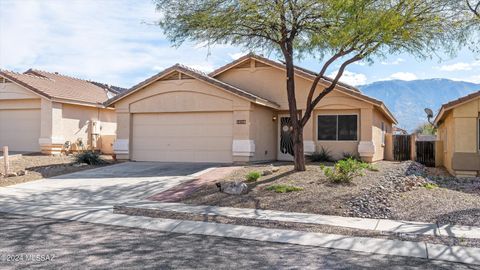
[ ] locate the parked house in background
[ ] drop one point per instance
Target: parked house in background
(40, 111)
(458, 131)
(239, 113)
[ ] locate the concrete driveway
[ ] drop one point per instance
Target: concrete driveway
(130, 181)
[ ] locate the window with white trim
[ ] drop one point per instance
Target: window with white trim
(337, 127)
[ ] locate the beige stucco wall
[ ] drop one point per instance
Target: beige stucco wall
(264, 133)
(379, 136)
(459, 133)
(446, 134)
(77, 123)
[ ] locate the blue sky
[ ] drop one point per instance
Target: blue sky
(117, 42)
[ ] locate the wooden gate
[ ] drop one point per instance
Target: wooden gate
(401, 147)
(426, 153)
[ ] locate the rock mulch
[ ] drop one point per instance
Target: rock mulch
(36, 166)
(376, 200)
(398, 190)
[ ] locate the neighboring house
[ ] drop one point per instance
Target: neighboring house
(458, 131)
(239, 113)
(40, 111)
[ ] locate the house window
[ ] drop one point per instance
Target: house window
(337, 127)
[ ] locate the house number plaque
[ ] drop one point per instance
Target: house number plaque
(241, 122)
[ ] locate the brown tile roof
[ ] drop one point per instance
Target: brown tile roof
(200, 76)
(454, 103)
(60, 87)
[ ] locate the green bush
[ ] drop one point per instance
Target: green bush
(323, 156)
(253, 176)
(345, 170)
(430, 185)
(283, 188)
(89, 157)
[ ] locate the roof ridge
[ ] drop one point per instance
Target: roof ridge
(26, 74)
(61, 75)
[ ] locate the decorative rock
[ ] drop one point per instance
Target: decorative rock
(11, 174)
(275, 169)
(22, 172)
(267, 172)
(233, 188)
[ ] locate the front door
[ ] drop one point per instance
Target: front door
(285, 141)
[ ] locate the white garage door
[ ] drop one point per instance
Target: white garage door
(20, 129)
(182, 137)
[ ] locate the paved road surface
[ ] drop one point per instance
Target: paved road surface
(87, 246)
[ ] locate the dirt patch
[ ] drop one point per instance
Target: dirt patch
(449, 203)
(39, 166)
(450, 241)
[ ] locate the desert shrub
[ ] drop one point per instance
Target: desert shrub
(345, 170)
(253, 176)
(430, 185)
(283, 188)
(323, 156)
(89, 157)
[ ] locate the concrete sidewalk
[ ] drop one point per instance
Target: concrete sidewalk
(385, 225)
(104, 215)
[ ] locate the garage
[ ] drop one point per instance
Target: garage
(20, 129)
(182, 137)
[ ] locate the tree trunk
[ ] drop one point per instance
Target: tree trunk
(299, 157)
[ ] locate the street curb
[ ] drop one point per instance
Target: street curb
(383, 225)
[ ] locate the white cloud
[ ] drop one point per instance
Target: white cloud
(404, 76)
(108, 41)
(236, 55)
(397, 61)
(351, 77)
(460, 66)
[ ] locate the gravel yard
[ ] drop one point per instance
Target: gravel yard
(39, 166)
(398, 190)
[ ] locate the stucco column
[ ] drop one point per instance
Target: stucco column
(366, 147)
(243, 146)
(121, 146)
(51, 131)
(309, 136)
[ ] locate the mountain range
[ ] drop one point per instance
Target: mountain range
(408, 99)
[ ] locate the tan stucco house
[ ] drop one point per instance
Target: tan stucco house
(40, 111)
(458, 134)
(239, 113)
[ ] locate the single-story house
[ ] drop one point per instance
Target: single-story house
(239, 113)
(458, 131)
(41, 111)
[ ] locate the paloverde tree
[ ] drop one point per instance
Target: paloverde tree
(336, 32)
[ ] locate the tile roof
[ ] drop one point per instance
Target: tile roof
(200, 76)
(57, 86)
